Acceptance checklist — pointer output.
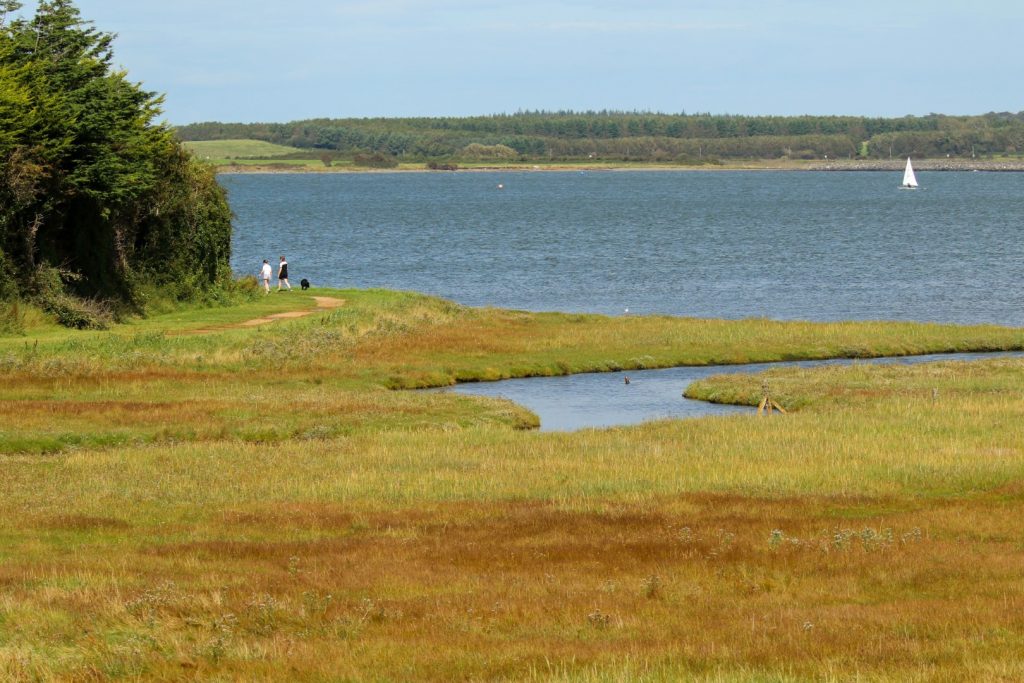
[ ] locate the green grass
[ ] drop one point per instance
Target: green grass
(270, 164)
(257, 155)
(186, 498)
(330, 371)
(239, 149)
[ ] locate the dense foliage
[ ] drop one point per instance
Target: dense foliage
(97, 202)
(640, 136)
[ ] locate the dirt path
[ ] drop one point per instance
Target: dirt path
(323, 303)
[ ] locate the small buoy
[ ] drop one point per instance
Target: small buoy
(500, 186)
(626, 311)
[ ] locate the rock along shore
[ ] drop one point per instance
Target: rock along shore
(920, 165)
(732, 165)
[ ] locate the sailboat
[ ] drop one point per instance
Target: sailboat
(909, 180)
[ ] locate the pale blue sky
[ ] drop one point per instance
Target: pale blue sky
(245, 60)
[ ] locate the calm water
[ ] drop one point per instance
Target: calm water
(820, 246)
(603, 399)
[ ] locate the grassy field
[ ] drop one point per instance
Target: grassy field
(256, 156)
(188, 497)
(239, 149)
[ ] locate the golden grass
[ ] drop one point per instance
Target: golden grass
(253, 506)
(702, 586)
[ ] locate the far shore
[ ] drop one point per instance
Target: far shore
(955, 165)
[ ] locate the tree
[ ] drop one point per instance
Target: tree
(91, 187)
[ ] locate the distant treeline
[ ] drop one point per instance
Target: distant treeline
(638, 136)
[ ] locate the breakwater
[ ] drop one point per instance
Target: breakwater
(920, 165)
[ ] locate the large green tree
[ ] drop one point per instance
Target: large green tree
(91, 187)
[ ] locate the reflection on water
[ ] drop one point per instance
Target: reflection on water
(604, 399)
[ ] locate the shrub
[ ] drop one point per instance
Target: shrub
(475, 150)
(80, 314)
(12, 319)
(70, 311)
(375, 160)
(8, 287)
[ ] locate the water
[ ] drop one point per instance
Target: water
(818, 246)
(603, 399)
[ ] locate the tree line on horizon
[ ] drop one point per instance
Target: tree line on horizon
(640, 136)
(100, 206)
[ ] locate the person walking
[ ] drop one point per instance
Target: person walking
(265, 275)
(282, 275)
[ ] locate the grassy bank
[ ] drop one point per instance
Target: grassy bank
(190, 497)
(301, 165)
(311, 165)
(256, 156)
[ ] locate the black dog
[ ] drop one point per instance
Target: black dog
(304, 283)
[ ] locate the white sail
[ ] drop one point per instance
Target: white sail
(908, 176)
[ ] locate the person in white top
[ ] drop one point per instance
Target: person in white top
(265, 274)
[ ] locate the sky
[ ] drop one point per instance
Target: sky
(252, 61)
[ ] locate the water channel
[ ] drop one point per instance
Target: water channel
(604, 399)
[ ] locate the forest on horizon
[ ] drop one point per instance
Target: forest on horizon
(636, 136)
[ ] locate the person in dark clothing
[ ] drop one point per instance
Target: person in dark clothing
(282, 275)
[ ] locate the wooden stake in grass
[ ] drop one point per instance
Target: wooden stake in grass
(767, 402)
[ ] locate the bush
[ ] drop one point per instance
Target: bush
(236, 291)
(12, 319)
(8, 274)
(475, 150)
(80, 314)
(375, 160)
(158, 300)
(70, 311)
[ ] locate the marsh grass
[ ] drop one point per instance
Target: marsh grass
(255, 504)
(521, 590)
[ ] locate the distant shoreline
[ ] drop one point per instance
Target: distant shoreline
(988, 165)
(954, 165)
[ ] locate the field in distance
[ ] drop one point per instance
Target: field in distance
(243, 155)
(240, 149)
(257, 155)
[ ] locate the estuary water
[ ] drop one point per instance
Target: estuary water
(723, 244)
(577, 402)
